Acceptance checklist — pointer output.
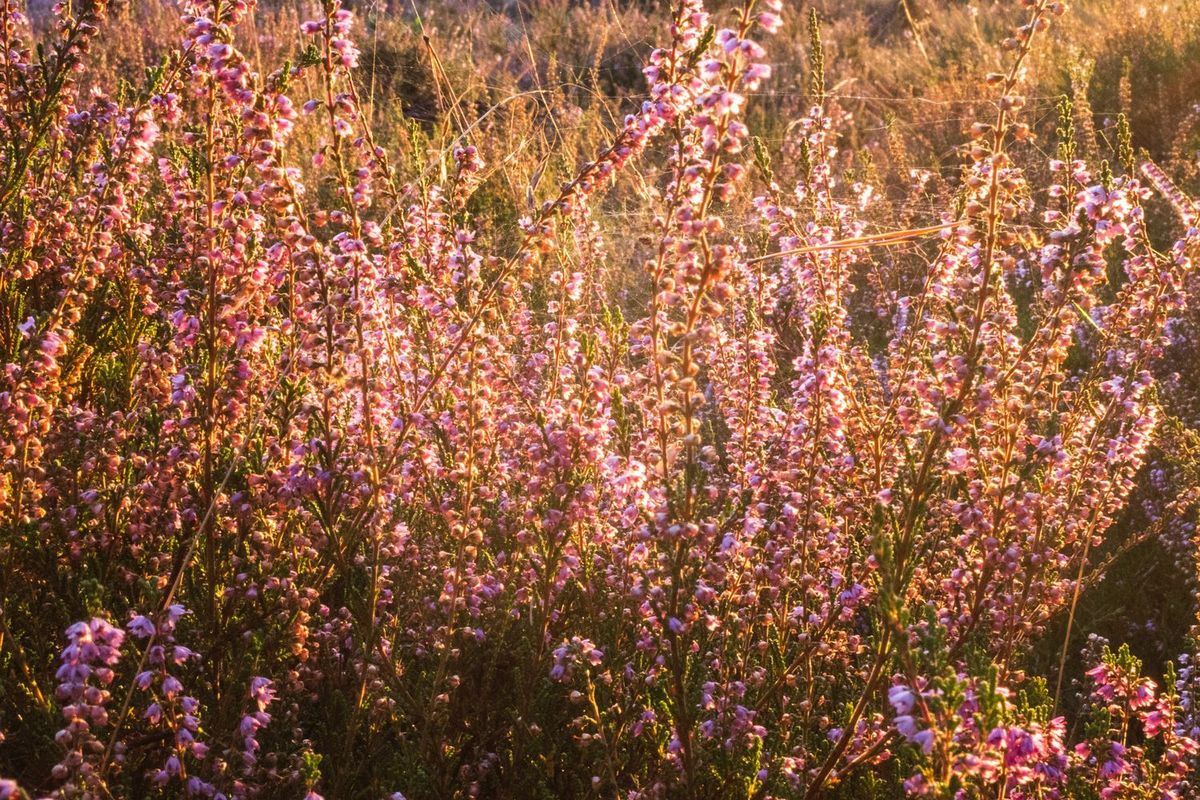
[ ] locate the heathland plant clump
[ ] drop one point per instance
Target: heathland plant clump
(318, 479)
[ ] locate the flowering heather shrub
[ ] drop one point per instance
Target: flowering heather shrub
(333, 496)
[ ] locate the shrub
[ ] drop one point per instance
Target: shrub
(341, 480)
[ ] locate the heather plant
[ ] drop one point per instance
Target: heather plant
(324, 471)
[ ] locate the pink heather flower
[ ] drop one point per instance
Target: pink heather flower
(770, 21)
(957, 460)
(171, 687)
(1155, 722)
(141, 627)
(902, 699)
(1114, 765)
(757, 73)
(262, 692)
(906, 726)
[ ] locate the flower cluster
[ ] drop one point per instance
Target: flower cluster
(395, 487)
(176, 712)
(93, 648)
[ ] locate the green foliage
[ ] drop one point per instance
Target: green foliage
(1065, 132)
(1125, 143)
(816, 59)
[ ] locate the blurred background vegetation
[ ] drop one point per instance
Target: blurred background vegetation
(538, 85)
